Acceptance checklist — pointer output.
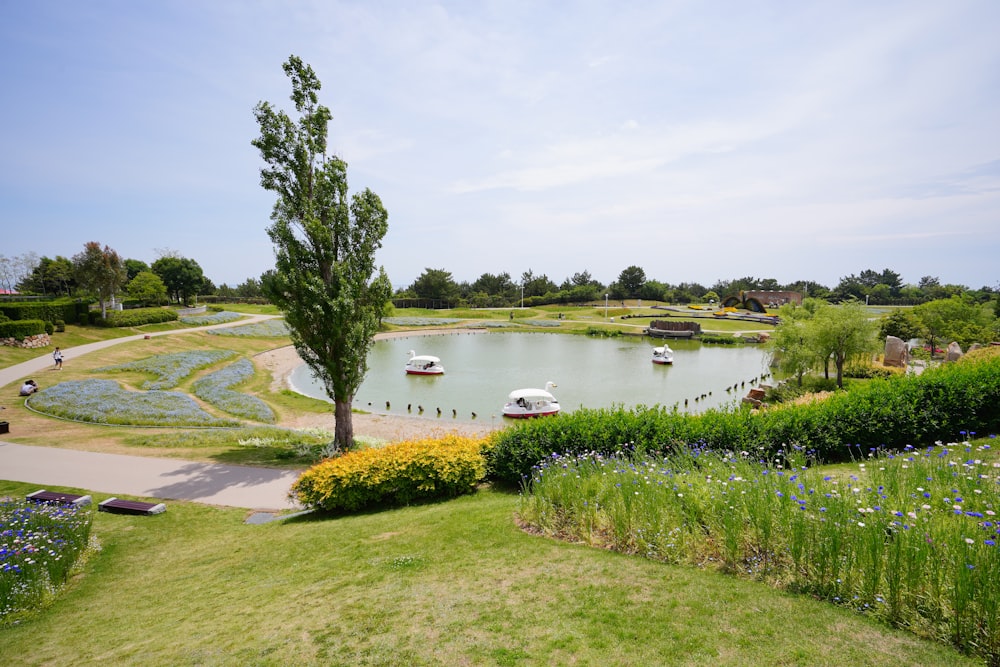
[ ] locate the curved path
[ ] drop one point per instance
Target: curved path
(165, 479)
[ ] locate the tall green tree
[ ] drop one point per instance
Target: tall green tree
(182, 276)
(435, 284)
(147, 287)
(324, 243)
(954, 319)
(101, 272)
(630, 281)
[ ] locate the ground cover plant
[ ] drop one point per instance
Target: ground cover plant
(170, 369)
(435, 584)
(273, 328)
(40, 545)
(106, 402)
(215, 318)
(909, 538)
(214, 388)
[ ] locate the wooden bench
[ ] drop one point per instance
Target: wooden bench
(116, 506)
(43, 496)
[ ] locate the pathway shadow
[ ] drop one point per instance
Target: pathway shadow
(201, 480)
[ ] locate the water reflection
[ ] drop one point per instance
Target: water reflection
(481, 369)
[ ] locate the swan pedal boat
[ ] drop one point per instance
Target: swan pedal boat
(423, 364)
(663, 355)
(527, 403)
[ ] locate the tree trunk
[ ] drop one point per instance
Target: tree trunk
(343, 431)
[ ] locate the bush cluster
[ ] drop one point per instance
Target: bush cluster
(890, 413)
(21, 329)
(71, 311)
(405, 472)
(135, 318)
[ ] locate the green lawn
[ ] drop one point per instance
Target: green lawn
(452, 583)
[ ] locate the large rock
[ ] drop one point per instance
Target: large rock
(896, 353)
(954, 352)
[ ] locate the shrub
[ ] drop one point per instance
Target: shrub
(50, 328)
(937, 405)
(21, 329)
(60, 326)
(398, 474)
(61, 309)
(134, 318)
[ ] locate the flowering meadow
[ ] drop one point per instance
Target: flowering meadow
(215, 318)
(170, 369)
(214, 389)
(274, 328)
(106, 402)
(910, 538)
(39, 545)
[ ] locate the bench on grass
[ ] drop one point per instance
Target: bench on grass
(43, 496)
(117, 506)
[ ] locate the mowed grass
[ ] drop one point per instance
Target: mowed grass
(453, 583)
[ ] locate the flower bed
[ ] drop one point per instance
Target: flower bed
(39, 546)
(266, 329)
(214, 389)
(214, 318)
(170, 369)
(106, 402)
(909, 538)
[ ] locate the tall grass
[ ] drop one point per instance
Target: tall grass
(908, 538)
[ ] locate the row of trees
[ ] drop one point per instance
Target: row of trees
(501, 290)
(100, 272)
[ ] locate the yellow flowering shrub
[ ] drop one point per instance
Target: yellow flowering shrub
(394, 475)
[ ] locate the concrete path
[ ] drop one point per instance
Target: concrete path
(164, 479)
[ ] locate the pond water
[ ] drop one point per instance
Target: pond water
(482, 368)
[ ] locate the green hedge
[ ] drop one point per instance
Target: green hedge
(135, 317)
(940, 404)
(21, 329)
(67, 310)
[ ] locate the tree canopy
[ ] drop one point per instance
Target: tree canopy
(325, 278)
(182, 276)
(99, 271)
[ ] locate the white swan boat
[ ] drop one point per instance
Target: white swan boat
(663, 355)
(423, 364)
(525, 403)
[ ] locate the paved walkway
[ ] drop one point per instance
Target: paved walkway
(164, 479)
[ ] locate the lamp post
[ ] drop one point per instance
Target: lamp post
(605, 306)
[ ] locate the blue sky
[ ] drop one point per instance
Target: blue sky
(698, 140)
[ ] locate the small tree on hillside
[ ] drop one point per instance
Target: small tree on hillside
(843, 332)
(324, 248)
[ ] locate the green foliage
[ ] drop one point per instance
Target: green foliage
(905, 410)
(901, 323)
(325, 245)
(59, 309)
(50, 328)
(397, 474)
(136, 317)
(21, 329)
(60, 325)
(182, 277)
(148, 288)
(99, 271)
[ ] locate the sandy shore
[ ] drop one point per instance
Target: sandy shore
(282, 361)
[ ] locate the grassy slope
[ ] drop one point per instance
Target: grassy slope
(451, 583)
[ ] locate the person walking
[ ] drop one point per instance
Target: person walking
(57, 355)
